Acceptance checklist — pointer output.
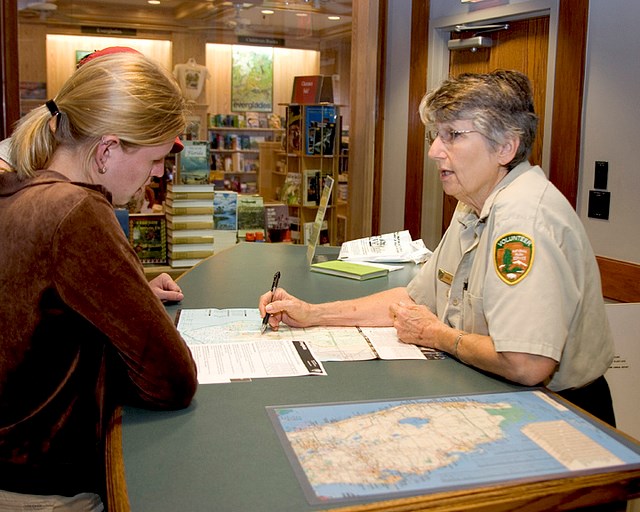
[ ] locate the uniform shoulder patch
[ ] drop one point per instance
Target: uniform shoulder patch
(513, 257)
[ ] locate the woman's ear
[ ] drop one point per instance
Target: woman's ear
(104, 148)
(507, 150)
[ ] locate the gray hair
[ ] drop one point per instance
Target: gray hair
(499, 104)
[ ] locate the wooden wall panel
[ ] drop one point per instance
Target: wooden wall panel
(524, 47)
(219, 83)
(288, 63)
(33, 58)
(416, 130)
(620, 279)
(61, 54)
(9, 62)
(564, 164)
(335, 60)
(365, 116)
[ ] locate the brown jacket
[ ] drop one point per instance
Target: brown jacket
(80, 331)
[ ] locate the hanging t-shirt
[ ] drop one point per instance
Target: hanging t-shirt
(191, 77)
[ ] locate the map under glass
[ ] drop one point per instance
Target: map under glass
(383, 449)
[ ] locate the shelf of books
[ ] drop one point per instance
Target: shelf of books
(314, 150)
(203, 216)
(234, 142)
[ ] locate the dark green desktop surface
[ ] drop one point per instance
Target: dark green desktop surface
(223, 453)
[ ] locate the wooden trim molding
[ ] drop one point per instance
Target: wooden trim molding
(564, 164)
(9, 85)
(620, 279)
(363, 104)
(415, 132)
(578, 493)
(117, 496)
(381, 52)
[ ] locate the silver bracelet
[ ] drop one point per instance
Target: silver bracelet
(456, 343)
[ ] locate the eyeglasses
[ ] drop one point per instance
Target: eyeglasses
(446, 136)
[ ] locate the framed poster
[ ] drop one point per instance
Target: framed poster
(252, 79)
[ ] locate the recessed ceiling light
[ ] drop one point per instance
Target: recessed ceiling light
(267, 11)
(153, 2)
(333, 18)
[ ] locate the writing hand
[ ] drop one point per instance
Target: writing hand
(284, 307)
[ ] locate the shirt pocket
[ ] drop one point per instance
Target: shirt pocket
(474, 319)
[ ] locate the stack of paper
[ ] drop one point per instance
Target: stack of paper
(390, 247)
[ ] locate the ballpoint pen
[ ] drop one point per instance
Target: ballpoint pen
(265, 320)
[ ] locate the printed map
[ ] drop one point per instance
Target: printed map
(356, 450)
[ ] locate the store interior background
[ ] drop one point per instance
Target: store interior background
(610, 117)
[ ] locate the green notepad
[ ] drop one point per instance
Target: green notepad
(349, 270)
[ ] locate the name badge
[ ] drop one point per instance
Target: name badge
(445, 276)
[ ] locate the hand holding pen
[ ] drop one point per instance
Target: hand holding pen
(265, 320)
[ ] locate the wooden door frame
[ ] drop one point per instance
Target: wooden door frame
(10, 88)
(420, 12)
(563, 115)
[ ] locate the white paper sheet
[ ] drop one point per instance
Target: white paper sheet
(227, 345)
(395, 247)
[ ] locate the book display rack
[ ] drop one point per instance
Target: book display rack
(312, 151)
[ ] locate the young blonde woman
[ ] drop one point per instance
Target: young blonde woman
(82, 328)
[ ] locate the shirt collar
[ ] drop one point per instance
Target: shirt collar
(465, 213)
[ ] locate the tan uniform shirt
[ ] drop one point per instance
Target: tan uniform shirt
(525, 274)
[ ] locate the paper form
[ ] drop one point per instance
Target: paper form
(212, 326)
(226, 345)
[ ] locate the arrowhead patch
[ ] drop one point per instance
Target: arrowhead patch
(513, 257)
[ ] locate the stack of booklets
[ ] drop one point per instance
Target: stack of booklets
(225, 219)
(189, 213)
(358, 271)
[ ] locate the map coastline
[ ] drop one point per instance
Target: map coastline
(385, 449)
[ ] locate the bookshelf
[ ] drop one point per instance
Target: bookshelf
(272, 170)
(313, 149)
(235, 156)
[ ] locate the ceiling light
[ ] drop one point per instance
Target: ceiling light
(333, 18)
(153, 2)
(301, 14)
(267, 11)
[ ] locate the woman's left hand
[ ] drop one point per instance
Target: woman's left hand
(166, 289)
(415, 324)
